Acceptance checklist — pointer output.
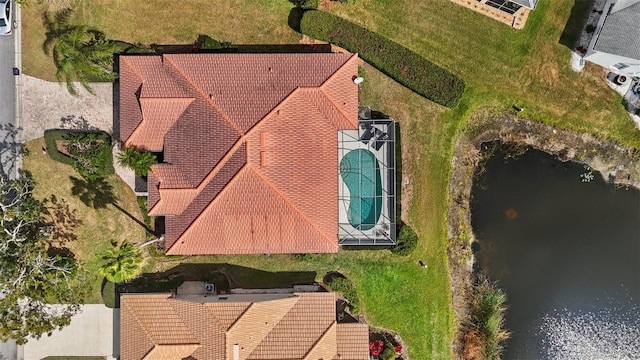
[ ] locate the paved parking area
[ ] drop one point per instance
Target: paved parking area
(48, 105)
(91, 333)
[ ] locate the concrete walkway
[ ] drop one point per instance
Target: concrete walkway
(94, 331)
(48, 105)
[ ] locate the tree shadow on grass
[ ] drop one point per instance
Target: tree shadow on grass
(62, 218)
(98, 194)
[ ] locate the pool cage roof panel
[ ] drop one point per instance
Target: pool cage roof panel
(367, 184)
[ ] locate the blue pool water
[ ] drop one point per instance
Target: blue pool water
(360, 172)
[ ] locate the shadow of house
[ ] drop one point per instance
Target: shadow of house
(237, 277)
(576, 22)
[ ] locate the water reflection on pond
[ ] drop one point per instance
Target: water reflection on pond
(566, 249)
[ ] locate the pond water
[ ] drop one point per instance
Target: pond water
(566, 250)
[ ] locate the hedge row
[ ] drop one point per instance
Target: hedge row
(345, 287)
(51, 136)
(398, 62)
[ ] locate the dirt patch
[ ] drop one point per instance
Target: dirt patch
(615, 163)
(63, 148)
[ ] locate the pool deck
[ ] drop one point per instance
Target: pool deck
(378, 137)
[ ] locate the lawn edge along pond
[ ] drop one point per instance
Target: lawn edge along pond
(617, 164)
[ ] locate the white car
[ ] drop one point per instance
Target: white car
(6, 25)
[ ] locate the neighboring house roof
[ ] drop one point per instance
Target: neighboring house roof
(620, 34)
(250, 146)
(298, 326)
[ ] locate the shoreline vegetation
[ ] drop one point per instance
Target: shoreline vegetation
(616, 164)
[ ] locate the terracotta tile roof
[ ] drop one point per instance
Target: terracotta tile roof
(302, 326)
(311, 317)
(352, 336)
(227, 313)
(158, 116)
(164, 352)
(274, 114)
(153, 188)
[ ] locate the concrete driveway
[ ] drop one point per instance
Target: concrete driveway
(94, 331)
(48, 105)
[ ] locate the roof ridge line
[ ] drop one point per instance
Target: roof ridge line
(353, 55)
(337, 108)
(123, 60)
(324, 334)
(286, 199)
(191, 332)
(274, 109)
(238, 319)
(225, 188)
(206, 98)
(137, 129)
(144, 329)
(321, 87)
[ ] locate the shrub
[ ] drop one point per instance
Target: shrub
(376, 347)
(303, 257)
(488, 310)
(92, 155)
(110, 295)
(206, 42)
(403, 65)
(345, 287)
(307, 4)
(92, 151)
(388, 353)
(590, 28)
(137, 160)
(406, 242)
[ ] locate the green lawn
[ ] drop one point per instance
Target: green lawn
(501, 66)
(98, 225)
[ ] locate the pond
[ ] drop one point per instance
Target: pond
(565, 247)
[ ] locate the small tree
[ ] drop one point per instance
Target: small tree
(80, 53)
(138, 161)
(32, 276)
(90, 154)
(122, 263)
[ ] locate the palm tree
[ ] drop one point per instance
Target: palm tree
(80, 53)
(138, 161)
(121, 264)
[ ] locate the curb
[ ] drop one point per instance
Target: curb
(18, 84)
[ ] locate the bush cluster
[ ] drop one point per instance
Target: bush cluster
(403, 65)
(90, 151)
(486, 334)
(345, 287)
(406, 242)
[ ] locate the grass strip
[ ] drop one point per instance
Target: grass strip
(403, 65)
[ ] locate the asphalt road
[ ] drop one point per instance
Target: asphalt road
(9, 145)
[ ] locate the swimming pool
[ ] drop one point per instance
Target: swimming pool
(360, 172)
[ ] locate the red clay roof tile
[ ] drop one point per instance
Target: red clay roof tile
(280, 110)
(300, 326)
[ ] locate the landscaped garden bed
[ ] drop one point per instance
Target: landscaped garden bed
(98, 143)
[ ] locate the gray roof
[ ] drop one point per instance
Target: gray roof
(620, 34)
(531, 4)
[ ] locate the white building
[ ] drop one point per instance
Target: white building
(616, 41)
